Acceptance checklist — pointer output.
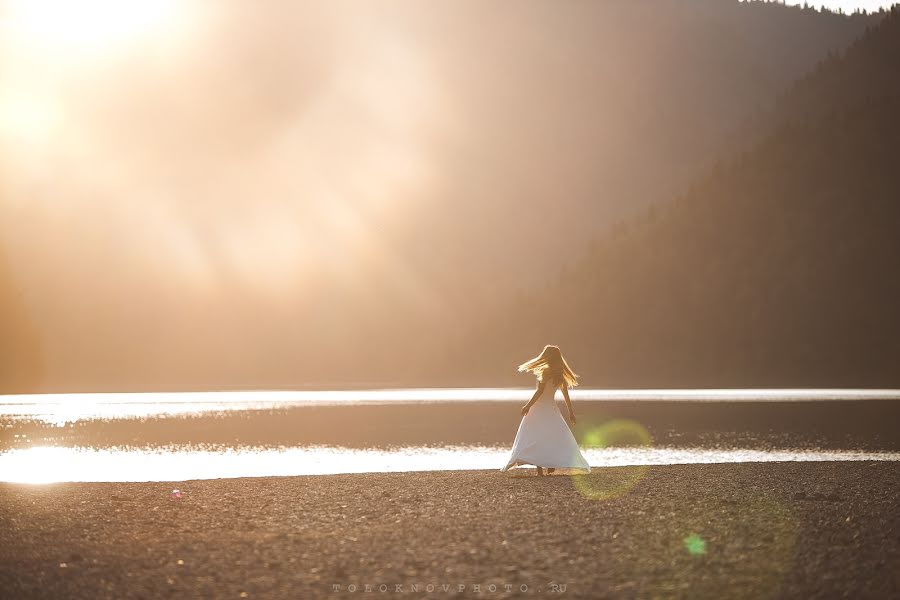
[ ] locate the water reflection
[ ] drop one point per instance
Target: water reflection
(59, 464)
(60, 409)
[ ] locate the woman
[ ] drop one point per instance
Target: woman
(544, 438)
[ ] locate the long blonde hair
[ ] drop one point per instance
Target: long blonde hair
(551, 364)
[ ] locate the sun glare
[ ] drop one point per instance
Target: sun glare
(85, 24)
(50, 47)
(28, 118)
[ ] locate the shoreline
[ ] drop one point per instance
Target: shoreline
(738, 530)
(51, 465)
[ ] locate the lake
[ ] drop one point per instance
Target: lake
(64, 408)
(204, 435)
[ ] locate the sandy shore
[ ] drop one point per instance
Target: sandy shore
(811, 530)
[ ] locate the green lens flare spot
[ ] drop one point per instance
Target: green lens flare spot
(609, 482)
(695, 545)
(593, 439)
(617, 433)
(605, 483)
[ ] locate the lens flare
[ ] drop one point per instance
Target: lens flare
(695, 545)
(617, 433)
(604, 484)
(758, 530)
(739, 543)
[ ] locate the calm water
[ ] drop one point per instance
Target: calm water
(56, 458)
(69, 408)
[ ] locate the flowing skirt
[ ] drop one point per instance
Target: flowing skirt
(545, 440)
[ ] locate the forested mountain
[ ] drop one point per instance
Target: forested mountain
(587, 112)
(778, 268)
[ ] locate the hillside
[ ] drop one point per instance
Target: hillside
(573, 105)
(776, 269)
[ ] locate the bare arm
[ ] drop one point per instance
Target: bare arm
(537, 394)
(565, 391)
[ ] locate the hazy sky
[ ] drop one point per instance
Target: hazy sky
(176, 170)
(222, 136)
(196, 138)
(163, 160)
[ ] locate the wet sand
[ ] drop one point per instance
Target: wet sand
(810, 530)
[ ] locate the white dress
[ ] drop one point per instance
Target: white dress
(545, 440)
